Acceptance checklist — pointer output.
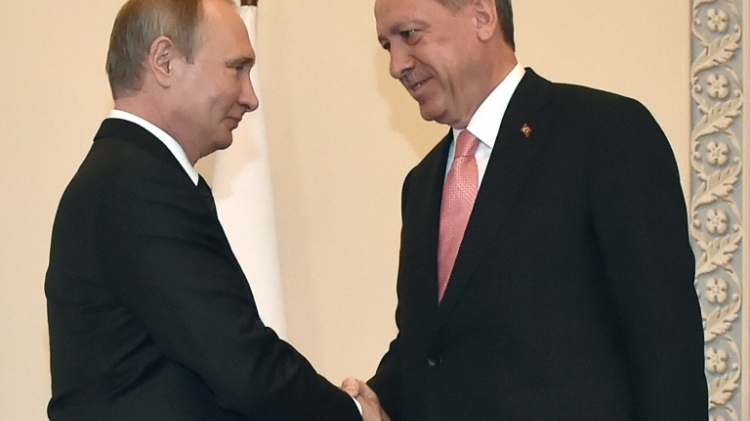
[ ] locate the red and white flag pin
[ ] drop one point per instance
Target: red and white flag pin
(526, 130)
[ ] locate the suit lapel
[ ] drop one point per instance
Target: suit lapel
(424, 212)
(114, 128)
(511, 162)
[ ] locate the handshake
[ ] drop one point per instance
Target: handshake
(371, 409)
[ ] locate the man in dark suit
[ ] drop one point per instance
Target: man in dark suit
(150, 315)
(571, 294)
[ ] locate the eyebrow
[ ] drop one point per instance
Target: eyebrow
(241, 61)
(399, 26)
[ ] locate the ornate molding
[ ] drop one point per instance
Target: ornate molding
(719, 198)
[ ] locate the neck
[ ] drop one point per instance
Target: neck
(494, 73)
(503, 64)
(150, 111)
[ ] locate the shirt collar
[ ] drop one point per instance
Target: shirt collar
(164, 137)
(485, 123)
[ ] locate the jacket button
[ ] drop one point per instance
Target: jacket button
(433, 362)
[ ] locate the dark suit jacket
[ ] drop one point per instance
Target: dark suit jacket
(572, 294)
(150, 315)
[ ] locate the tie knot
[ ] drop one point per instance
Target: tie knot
(466, 144)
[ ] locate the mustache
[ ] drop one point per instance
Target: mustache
(410, 78)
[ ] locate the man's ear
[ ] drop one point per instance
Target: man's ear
(162, 57)
(485, 18)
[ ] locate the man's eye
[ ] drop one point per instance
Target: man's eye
(410, 36)
(406, 34)
(241, 69)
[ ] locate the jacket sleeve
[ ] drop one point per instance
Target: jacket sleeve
(387, 382)
(641, 225)
(167, 258)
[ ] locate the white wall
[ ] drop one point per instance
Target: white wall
(342, 136)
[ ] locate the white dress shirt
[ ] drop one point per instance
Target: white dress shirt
(485, 123)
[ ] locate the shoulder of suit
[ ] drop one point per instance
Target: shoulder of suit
(573, 92)
(584, 100)
(123, 152)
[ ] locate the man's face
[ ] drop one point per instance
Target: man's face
(433, 52)
(214, 91)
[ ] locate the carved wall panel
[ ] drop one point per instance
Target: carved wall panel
(720, 198)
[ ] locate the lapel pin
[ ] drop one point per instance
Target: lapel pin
(526, 130)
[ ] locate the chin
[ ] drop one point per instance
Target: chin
(427, 115)
(432, 115)
(223, 143)
(433, 111)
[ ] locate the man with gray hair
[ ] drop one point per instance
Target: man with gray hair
(545, 270)
(150, 315)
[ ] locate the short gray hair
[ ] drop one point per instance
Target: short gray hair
(137, 25)
(504, 14)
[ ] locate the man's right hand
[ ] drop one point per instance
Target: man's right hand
(359, 390)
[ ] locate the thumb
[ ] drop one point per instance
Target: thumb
(350, 385)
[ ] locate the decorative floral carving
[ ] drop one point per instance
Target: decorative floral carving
(722, 389)
(719, 224)
(716, 360)
(718, 86)
(717, 20)
(716, 290)
(716, 52)
(720, 320)
(716, 221)
(718, 153)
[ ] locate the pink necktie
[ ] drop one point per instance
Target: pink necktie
(459, 193)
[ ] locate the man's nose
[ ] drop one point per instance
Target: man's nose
(248, 99)
(401, 61)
